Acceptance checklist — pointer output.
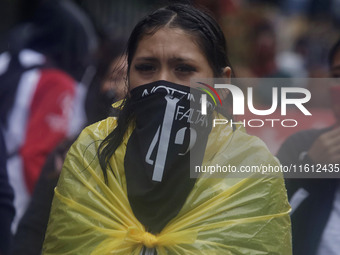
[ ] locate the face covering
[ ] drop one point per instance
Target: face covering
(170, 136)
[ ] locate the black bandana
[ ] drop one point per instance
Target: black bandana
(169, 128)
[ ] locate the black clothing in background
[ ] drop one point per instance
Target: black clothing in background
(6, 202)
(30, 234)
(310, 218)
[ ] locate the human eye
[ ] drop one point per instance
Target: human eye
(185, 69)
(145, 68)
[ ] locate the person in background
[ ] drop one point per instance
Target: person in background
(264, 62)
(6, 202)
(30, 233)
(264, 50)
(109, 82)
(41, 96)
(316, 202)
(101, 94)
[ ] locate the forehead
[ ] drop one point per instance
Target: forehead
(167, 42)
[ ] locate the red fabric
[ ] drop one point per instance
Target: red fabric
(48, 122)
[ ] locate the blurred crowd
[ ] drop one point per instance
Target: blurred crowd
(62, 66)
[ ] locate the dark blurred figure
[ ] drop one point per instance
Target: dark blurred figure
(316, 202)
(43, 81)
(30, 235)
(63, 32)
(264, 62)
(264, 51)
(6, 202)
(107, 87)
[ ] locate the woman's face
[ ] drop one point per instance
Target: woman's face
(170, 54)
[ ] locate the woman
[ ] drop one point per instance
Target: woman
(125, 187)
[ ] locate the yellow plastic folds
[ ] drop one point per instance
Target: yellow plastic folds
(220, 215)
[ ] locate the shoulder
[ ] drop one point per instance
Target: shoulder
(255, 149)
(249, 142)
(82, 157)
(97, 131)
(238, 146)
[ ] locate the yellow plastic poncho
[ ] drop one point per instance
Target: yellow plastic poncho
(220, 215)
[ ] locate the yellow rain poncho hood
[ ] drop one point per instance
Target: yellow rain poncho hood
(220, 215)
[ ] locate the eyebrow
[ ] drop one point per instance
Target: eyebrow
(173, 59)
(181, 59)
(152, 59)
